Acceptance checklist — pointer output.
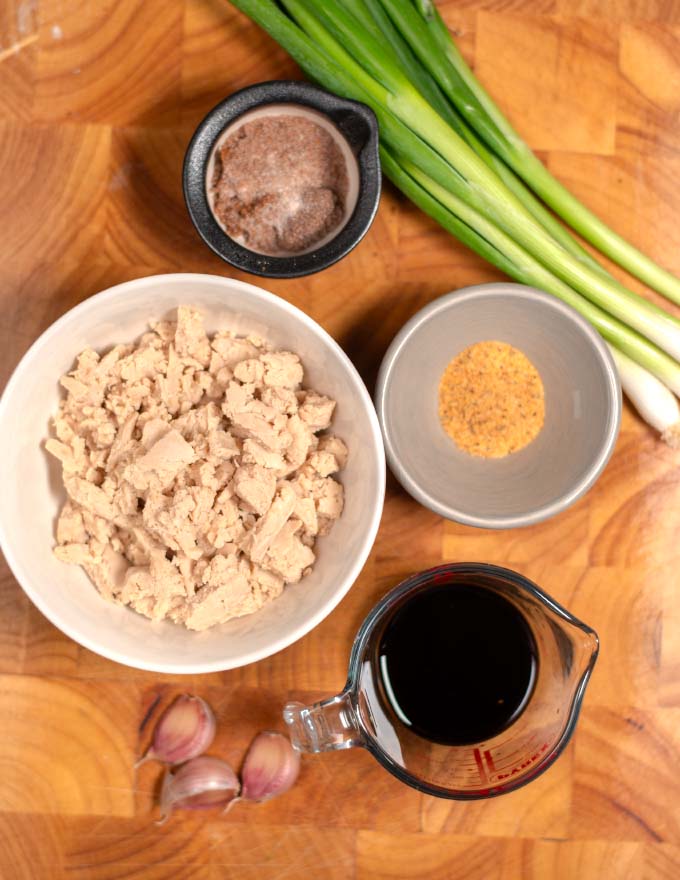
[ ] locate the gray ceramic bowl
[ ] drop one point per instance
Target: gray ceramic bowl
(583, 407)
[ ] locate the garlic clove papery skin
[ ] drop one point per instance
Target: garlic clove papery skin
(271, 767)
(184, 731)
(199, 784)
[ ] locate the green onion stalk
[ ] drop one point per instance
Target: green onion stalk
(441, 153)
(424, 29)
(341, 35)
(372, 15)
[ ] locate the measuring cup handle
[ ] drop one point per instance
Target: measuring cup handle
(325, 726)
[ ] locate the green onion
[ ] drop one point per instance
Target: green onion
(403, 113)
(363, 50)
(372, 14)
(426, 32)
(500, 250)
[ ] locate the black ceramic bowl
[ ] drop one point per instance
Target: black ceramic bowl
(357, 127)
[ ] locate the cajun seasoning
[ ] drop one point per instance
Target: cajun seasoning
(280, 184)
(491, 400)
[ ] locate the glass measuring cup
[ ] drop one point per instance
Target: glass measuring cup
(362, 715)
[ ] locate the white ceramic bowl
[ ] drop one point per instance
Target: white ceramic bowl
(32, 492)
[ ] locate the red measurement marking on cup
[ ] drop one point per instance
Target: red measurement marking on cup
(486, 767)
(480, 767)
(487, 760)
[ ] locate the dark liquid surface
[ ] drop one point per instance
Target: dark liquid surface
(457, 663)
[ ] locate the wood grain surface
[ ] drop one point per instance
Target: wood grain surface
(98, 99)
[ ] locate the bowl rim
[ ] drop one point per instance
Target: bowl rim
(132, 288)
(530, 295)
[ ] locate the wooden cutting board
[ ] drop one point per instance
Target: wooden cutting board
(97, 103)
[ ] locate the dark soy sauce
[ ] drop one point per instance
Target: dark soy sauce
(457, 663)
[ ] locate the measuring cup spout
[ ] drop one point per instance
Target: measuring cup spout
(325, 726)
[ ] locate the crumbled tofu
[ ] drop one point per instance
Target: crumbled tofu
(162, 462)
(70, 526)
(196, 482)
(282, 369)
(255, 453)
(287, 555)
(334, 445)
(303, 441)
(316, 410)
(268, 527)
(282, 399)
(255, 485)
(324, 463)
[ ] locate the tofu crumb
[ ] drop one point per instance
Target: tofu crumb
(196, 475)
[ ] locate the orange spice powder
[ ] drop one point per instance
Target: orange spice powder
(491, 400)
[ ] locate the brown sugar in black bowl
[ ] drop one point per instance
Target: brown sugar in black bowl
(282, 179)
